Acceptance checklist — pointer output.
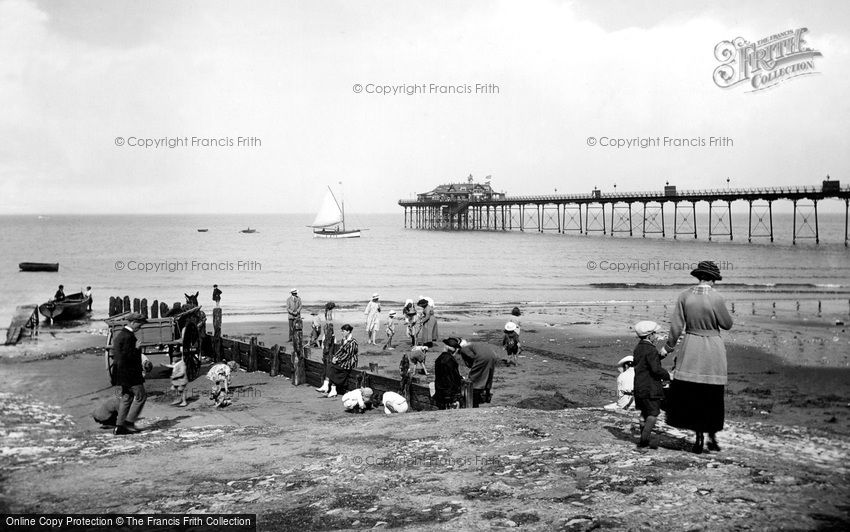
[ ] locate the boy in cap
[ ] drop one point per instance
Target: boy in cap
(648, 387)
(179, 380)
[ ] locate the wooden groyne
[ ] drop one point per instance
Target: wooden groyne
(25, 319)
(471, 207)
(275, 361)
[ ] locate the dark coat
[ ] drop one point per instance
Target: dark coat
(648, 372)
(216, 294)
(447, 379)
(127, 358)
(480, 358)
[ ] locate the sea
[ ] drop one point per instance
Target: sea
(163, 257)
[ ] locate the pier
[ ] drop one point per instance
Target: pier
(475, 207)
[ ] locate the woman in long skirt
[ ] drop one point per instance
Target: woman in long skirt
(427, 333)
(343, 362)
(328, 345)
(697, 391)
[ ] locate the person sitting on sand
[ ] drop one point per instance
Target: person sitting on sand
(179, 380)
(106, 412)
(358, 401)
(394, 403)
(343, 362)
(510, 341)
(649, 390)
(447, 380)
(625, 385)
(219, 374)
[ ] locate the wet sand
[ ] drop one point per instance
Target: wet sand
(557, 459)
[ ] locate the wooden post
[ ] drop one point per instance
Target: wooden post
(252, 354)
(467, 394)
(136, 303)
(143, 307)
(127, 306)
(275, 371)
(111, 306)
(155, 309)
(163, 308)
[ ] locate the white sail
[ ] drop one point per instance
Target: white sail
(329, 214)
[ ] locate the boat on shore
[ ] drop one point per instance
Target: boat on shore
(249, 230)
(72, 307)
(330, 220)
(203, 230)
(39, 266)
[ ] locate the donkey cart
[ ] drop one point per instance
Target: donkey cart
(178, 335)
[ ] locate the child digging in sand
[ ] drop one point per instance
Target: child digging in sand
(220, 377)
(648, 389)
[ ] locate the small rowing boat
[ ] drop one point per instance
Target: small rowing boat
(39, 266)
(73, 306)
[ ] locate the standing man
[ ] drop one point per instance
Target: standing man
(480, 358)
(216, 296)
(293, 308)
(87, 294)
(128, 375)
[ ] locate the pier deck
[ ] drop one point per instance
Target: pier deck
(613, 213)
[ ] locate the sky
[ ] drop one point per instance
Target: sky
(83, 83)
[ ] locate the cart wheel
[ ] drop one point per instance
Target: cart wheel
(191, 350)
(108, 360)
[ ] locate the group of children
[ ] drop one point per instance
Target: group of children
(642, 380)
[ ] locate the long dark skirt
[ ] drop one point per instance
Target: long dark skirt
(695, 406)
(338, 377)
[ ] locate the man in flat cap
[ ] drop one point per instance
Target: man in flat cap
(293, 308)
(128, 375)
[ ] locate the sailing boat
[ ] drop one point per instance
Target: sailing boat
(330, 220)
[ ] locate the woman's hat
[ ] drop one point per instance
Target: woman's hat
(422, 303)
(330, 305)
(408, 302)
(628, 358)
(645, 328)
(293, 291)
(515, 311)
(452, 342)
(375, 295)
(510, 326)
(347, 327)
(709, 269)
(366, 393)
(391, 314)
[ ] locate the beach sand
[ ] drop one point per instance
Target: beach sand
(542, 454)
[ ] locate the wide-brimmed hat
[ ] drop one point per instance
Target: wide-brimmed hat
(136, 317)
(293, 291)
(422, 303)
(709, 269)
(347, 327)
(627, 358)
(645, 328)
(330, 305)
(515, 311)
(366, 393)
(452, 342)
(510, 326)
(375, 295)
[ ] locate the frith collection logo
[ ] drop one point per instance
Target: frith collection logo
(765, 63)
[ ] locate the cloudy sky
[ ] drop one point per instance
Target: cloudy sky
(74, 76)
